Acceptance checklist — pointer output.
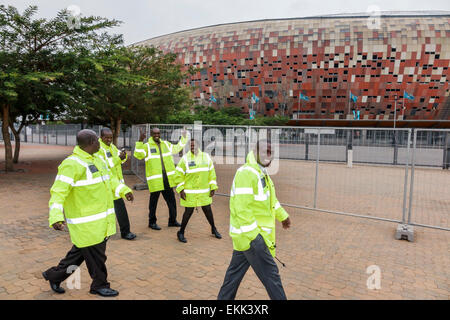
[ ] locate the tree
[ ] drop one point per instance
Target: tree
(134, 85)
(224, 116)
(39, 64)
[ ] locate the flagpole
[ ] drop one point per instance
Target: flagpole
(348, 104)
(395, 110)
(403, 106)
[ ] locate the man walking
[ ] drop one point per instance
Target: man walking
(253, 210)
(113, 160)
(196, 183)
(160, 172)
(82, 197)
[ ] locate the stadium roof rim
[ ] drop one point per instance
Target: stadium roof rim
(383, 14)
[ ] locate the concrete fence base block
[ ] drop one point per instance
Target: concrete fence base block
(350, 158)
(142, 186)
(404, 232)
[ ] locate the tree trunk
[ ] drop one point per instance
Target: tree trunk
(8, 149)
(16, 134)
(115, 128)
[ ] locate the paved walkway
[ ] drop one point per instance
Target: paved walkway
(326, 255)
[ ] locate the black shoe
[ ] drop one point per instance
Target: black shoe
(129, 236)
(216, 233)
(154, 226)
(105, 292)
(55, 286)
(174, 224)
(181, 237)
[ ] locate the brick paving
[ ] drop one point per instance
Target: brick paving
(326, 255)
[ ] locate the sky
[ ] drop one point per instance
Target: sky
(145, 19)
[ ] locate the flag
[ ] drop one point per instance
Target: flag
(212, 99)
(407, 95)
(353, 97)
(255, 99)
(252, 114)
(303, 97)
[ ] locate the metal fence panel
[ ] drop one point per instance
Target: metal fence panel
(430, 203)
(370, 172)
(355, 171)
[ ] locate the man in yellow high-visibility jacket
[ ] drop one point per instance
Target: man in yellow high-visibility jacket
(196, 183)
(114, 160)
(160, 172)
(82, 198)
(253, 210)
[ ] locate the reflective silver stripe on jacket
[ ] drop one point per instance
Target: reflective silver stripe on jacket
(242, 229)
(119, 188)
(89, 180)
(156, 176)
(91, 218)
(196, 191)
(56, 206)
(110, 162)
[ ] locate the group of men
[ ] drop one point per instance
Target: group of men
(89, 189)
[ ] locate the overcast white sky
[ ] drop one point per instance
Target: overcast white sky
(144, 19)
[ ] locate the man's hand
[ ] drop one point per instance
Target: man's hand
(183, 195)
(59, 225)
(142, 135)
(122, 155)
(211, 193)
(286, 223)
(129, 196)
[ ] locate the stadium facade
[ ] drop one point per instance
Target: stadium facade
(309, 68)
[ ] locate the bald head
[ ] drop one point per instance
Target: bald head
(264, 152)
(87, 140)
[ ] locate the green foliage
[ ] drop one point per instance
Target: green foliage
(223, 116)
(132, 85)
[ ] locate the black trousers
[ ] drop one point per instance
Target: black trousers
(95, 261)
(188, 213)
(259, 258)
(169, 196)
(122, 216)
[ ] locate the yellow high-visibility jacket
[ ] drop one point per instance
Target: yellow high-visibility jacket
(153, 169)
(253, 207)
(82, 195)
(195, 175)
(110, 156)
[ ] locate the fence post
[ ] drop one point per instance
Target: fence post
(405, 230)
(306, 145)
(395, 148)
(405, 189)
(446, 153)
(56, 134)
(317, 168)
(413, 165)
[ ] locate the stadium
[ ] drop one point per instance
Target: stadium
(333, 67)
